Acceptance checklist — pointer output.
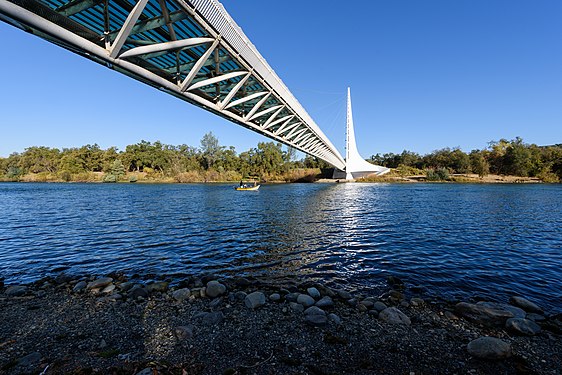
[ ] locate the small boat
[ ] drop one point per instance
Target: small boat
(247, 186)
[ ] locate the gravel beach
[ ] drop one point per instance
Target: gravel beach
(210, 325)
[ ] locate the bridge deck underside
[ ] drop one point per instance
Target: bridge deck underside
(190, 49)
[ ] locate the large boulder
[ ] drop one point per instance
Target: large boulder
(522, 326)
(100, 283)
(215, 289)
(482, 315)
(254, 300)
(489, 348)
(516, 311)
(394, 316)
(16, 290)
(525, 304)
(305, 300)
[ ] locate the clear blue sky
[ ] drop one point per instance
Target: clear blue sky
(423, 74)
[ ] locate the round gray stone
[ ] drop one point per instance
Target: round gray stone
(525, 304)
(181, 295)
(79, 287)
(489, 348)
(296, 307)
(138, 291)
(275, 297)
(108, 289)
(16, 290)
(394, 316)
(254, 300)
(334, 318)
(325, 302)
(100, 283)
(317, 320)
(313, 292)
(522, 326)
(305, 300)
(516, 311)
(314, 310)
(157, 287)
(215, 289)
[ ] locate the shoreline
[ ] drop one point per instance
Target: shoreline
(214, 325)
(454, 179)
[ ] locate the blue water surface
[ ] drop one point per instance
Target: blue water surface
(456, 240)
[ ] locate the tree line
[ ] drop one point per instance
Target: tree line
(503, 157)
(268, 161)
(183, 163)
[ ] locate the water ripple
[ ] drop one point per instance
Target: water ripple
(457, 240)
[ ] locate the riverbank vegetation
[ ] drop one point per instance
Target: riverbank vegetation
(501, 158)
(269, 161)
(158, 162)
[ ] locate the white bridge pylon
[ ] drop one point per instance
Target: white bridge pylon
(355, 165)
(191, 49)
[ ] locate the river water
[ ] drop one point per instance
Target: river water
(456, 240)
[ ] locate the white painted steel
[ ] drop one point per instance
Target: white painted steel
(355, 165)
(224, 33)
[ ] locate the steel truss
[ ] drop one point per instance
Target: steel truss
(190, 49)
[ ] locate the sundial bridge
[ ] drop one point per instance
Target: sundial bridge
(193, 50)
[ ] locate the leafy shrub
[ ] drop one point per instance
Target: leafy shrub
(110, 178)
(441, 174)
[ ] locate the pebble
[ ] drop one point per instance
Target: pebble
(216, 303)
(379, 306)
(240, 296)
(305, 300)
(108, 289)
(254, 300)
(100, 283)
(417, 302)
(181, 295)
(127, 285)
(16, 290)
(334, 318)
(525, 304)
(314, 310)
(157, 287)
(394, 316)
(209, 318)
(316, 320)
(215, 289)
(292, 297)
(79, 287)
(296, 307)
(325, 302)
(313, 292)
(374, 313)
(138, 291)
(522, 326)
(362, 308)
(203, 292)
(367, 303)
(489, 348)
(184, 332)
(275, 297)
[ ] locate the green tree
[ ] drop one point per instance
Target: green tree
(210, 149)
(479, 164)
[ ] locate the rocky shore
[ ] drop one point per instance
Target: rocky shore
(213, 325)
